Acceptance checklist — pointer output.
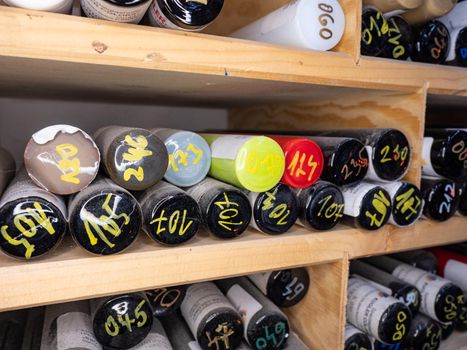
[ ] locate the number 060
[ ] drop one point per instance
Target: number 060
(324, 19)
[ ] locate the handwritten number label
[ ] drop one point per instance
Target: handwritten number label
(268, 203)
(174, 223)
(461, 150)
(27, 224)
(299, 159)
(126, 322)
(181, 157)
(280, 212)
(440, 42)
(136, 151)
(412, 299)
(196, 151)
(394, 37)
(452, 305)
(221, 338)
(397, 154)
(275, 337)
(136, 148)
(379, 25)
(69, 164)
(408, 203)
(330, 209)
(324, 19)
(113, 327)
(449, 195)
(433, 338)
(140, 315)
(355, 166)
(400, 326)
(165, 297)
(228, 213)
(293, 289)
(105, 223)
(381, 204)
(269, 163)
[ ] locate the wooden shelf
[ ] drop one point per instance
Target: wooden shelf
(71, 273)
(94, 59)
(45, 55)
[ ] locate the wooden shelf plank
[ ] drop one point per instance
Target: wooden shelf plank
(442, 80)
(90, 58)
(74, 274)
(71, 273)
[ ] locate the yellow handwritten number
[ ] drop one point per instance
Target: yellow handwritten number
(68, 165)
(381, 204)
(104, 223)
(32, 218)
(136, 151)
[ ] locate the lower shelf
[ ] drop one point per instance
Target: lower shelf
(71, 274)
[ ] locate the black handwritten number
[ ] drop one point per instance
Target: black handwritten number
(325, 8)
(324, 19)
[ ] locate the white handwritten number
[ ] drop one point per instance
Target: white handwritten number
(449, 194)
(291, 291)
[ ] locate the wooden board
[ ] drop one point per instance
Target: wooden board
(442, 80)
(71, 274)
(320, 318)
(350, 42)
(50, 79)
(369, 109)
(94, 59)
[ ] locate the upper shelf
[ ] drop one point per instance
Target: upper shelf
(71, 273)
(52, 55)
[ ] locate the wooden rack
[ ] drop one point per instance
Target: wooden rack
(262, 86)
